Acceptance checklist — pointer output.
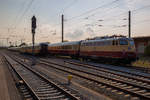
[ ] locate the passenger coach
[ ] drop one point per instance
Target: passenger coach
(65, 48)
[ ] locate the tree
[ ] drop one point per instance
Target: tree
(147, 50)
(22, 44)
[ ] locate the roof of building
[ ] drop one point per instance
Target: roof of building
(141, 37)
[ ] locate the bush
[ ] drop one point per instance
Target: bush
(147, 51)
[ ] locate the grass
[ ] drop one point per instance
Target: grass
(144, 61)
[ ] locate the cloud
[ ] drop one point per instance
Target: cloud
(76, 34)
(90, 31)
(132, 4)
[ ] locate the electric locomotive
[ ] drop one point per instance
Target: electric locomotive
(119, 48)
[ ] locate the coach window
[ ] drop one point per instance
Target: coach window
(96, 43)
(131, 43)
(109, 42)
(123, 42)
(113, 43)
(99, 43)
(116, 42)
(69, 47)
(92, 43)
(87, 44)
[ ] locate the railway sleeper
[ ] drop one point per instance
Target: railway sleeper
(147, 94)
(134, 89)
(53, 98)
(45, 89)
(50, 94)
(45, 92)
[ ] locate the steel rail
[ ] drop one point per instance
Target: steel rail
(99, 82)
(28, 86)
(108, 71)
(71, 96)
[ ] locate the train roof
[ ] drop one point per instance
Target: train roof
(30, 45)
(107, 39)
(14, 48)
(64, 43)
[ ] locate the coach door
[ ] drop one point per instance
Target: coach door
(44, 49)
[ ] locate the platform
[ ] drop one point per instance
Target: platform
(8, 91)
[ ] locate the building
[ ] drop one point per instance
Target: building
(141, 43)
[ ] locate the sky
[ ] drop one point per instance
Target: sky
(82, 19)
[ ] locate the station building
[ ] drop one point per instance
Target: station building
(141, 43)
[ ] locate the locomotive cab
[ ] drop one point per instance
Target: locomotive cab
(128, 49)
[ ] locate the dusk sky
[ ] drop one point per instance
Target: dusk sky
(83, 19)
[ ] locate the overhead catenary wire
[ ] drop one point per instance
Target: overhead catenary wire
(108, 10)
(25, 11)
(141, 8)
(87, 12)
(142, 21)
(68, 6)
(112, 19)
(133, 11)
(123, 26)
(17, 16)
(109, 19)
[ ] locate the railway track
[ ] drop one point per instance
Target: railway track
(138, 90)
(41, 87)
(118, 70)
(132, 87)
(142, 78)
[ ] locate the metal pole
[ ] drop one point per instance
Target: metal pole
(62, 20)
(33, 43)
(33, 32)
(129, 24)
(7, 40)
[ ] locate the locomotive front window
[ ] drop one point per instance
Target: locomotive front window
(131, 43)
(123, 42)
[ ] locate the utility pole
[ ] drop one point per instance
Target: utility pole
(10, 43)
(8, 30)
(62, 21)
(7, 39)
(24, 30)
(129, 30)
(16, 43)
(21, 41)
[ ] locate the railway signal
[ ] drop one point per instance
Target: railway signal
(33, 31)
(129, 26)
(33, 27)
(62, 22)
